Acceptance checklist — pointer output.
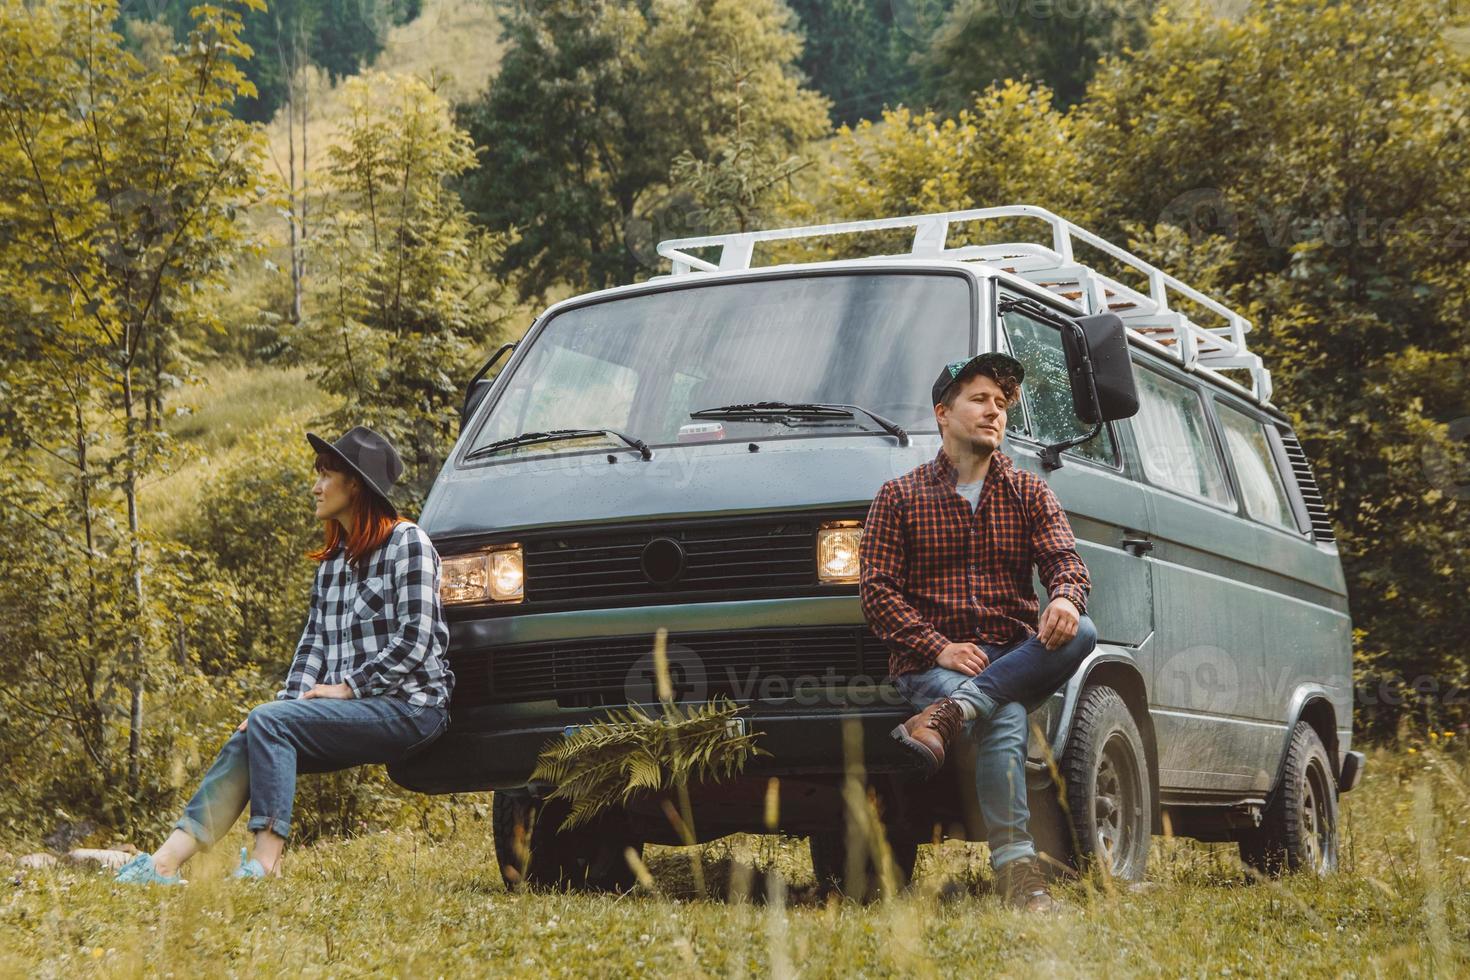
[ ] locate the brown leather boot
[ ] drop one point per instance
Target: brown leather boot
(1022, 885)
(928, 733)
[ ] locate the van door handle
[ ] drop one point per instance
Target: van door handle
(1138, 546)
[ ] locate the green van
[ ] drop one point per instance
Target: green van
(698, 452)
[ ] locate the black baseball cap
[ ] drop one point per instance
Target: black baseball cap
(991, 362)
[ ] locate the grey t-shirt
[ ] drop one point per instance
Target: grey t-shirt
(971, 492)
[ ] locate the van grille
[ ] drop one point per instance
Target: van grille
(586, 569)
(1316, 509)
(743, 664)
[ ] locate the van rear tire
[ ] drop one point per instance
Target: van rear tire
(1298, 830)
(1102, 815)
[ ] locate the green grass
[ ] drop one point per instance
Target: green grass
(403, 904)
(209, 421)
(235, 401)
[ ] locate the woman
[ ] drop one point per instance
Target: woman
(368, 683)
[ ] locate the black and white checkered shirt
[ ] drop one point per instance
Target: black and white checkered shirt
(381, 632)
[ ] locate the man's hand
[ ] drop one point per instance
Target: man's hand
(967, 658)
(243, 724)
(1058, 623)
(344, 693)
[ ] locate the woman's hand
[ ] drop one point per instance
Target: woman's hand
(339, 691)
(243, 724)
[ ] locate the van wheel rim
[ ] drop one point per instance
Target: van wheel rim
(1115, 803)
(1316, 821)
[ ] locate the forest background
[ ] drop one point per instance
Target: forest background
(221, 225)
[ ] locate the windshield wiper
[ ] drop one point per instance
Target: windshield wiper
(754, 411)
(552, 435)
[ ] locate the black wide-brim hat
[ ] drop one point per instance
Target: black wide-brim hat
(369, 456)
(993, 362)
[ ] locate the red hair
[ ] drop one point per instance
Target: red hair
(372, 522)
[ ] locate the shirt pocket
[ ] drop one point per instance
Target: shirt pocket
(372, 598)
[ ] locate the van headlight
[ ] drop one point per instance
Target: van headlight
(837, 551)
(498, 575)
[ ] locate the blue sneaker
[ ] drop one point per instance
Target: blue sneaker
(140, 871)
(248, 869)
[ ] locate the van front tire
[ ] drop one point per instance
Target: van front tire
(532, 850)
(1107, 820)
(1298, 830)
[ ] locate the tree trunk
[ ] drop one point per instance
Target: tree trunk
(291, 202)
(296, 94)
(91, 727)
(305, 177)
(181, 641)
(138, 680)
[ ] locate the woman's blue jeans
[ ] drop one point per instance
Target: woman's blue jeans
(1019, 679)
(283, 738)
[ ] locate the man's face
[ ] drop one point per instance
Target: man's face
(978, 415)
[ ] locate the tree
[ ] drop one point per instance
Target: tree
(403, 303)
(340, 35)
(1306, 162)
(1057, 43)
(594, 103)
(1324, 147)
(294, 47)
(118, 191)
(864, 55)
(1009, 146)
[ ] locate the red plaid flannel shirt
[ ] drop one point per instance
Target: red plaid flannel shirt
(934, 573)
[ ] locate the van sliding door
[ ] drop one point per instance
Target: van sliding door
(1208, 701)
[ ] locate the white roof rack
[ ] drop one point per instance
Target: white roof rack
(1147, 314)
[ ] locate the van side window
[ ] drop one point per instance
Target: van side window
(1260, 481)
(1048, 393)
(1174, 439)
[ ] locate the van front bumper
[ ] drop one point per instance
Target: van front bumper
(478, 753)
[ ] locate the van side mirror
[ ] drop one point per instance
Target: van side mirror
(1100, 369)
(479, 385)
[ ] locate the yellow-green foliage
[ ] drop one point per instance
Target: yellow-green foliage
(1316, 154)
(1304, 161)
(632, 752)
(119, 182)
(918, 161)
(404, 300)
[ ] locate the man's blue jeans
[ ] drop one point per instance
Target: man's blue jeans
(1019, 680)
(283, 738)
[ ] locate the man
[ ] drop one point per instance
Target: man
(946, 559)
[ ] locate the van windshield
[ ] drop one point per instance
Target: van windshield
(641, 364)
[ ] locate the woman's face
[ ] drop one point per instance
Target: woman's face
(334, 495)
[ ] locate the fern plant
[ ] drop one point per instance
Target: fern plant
(610, 762)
